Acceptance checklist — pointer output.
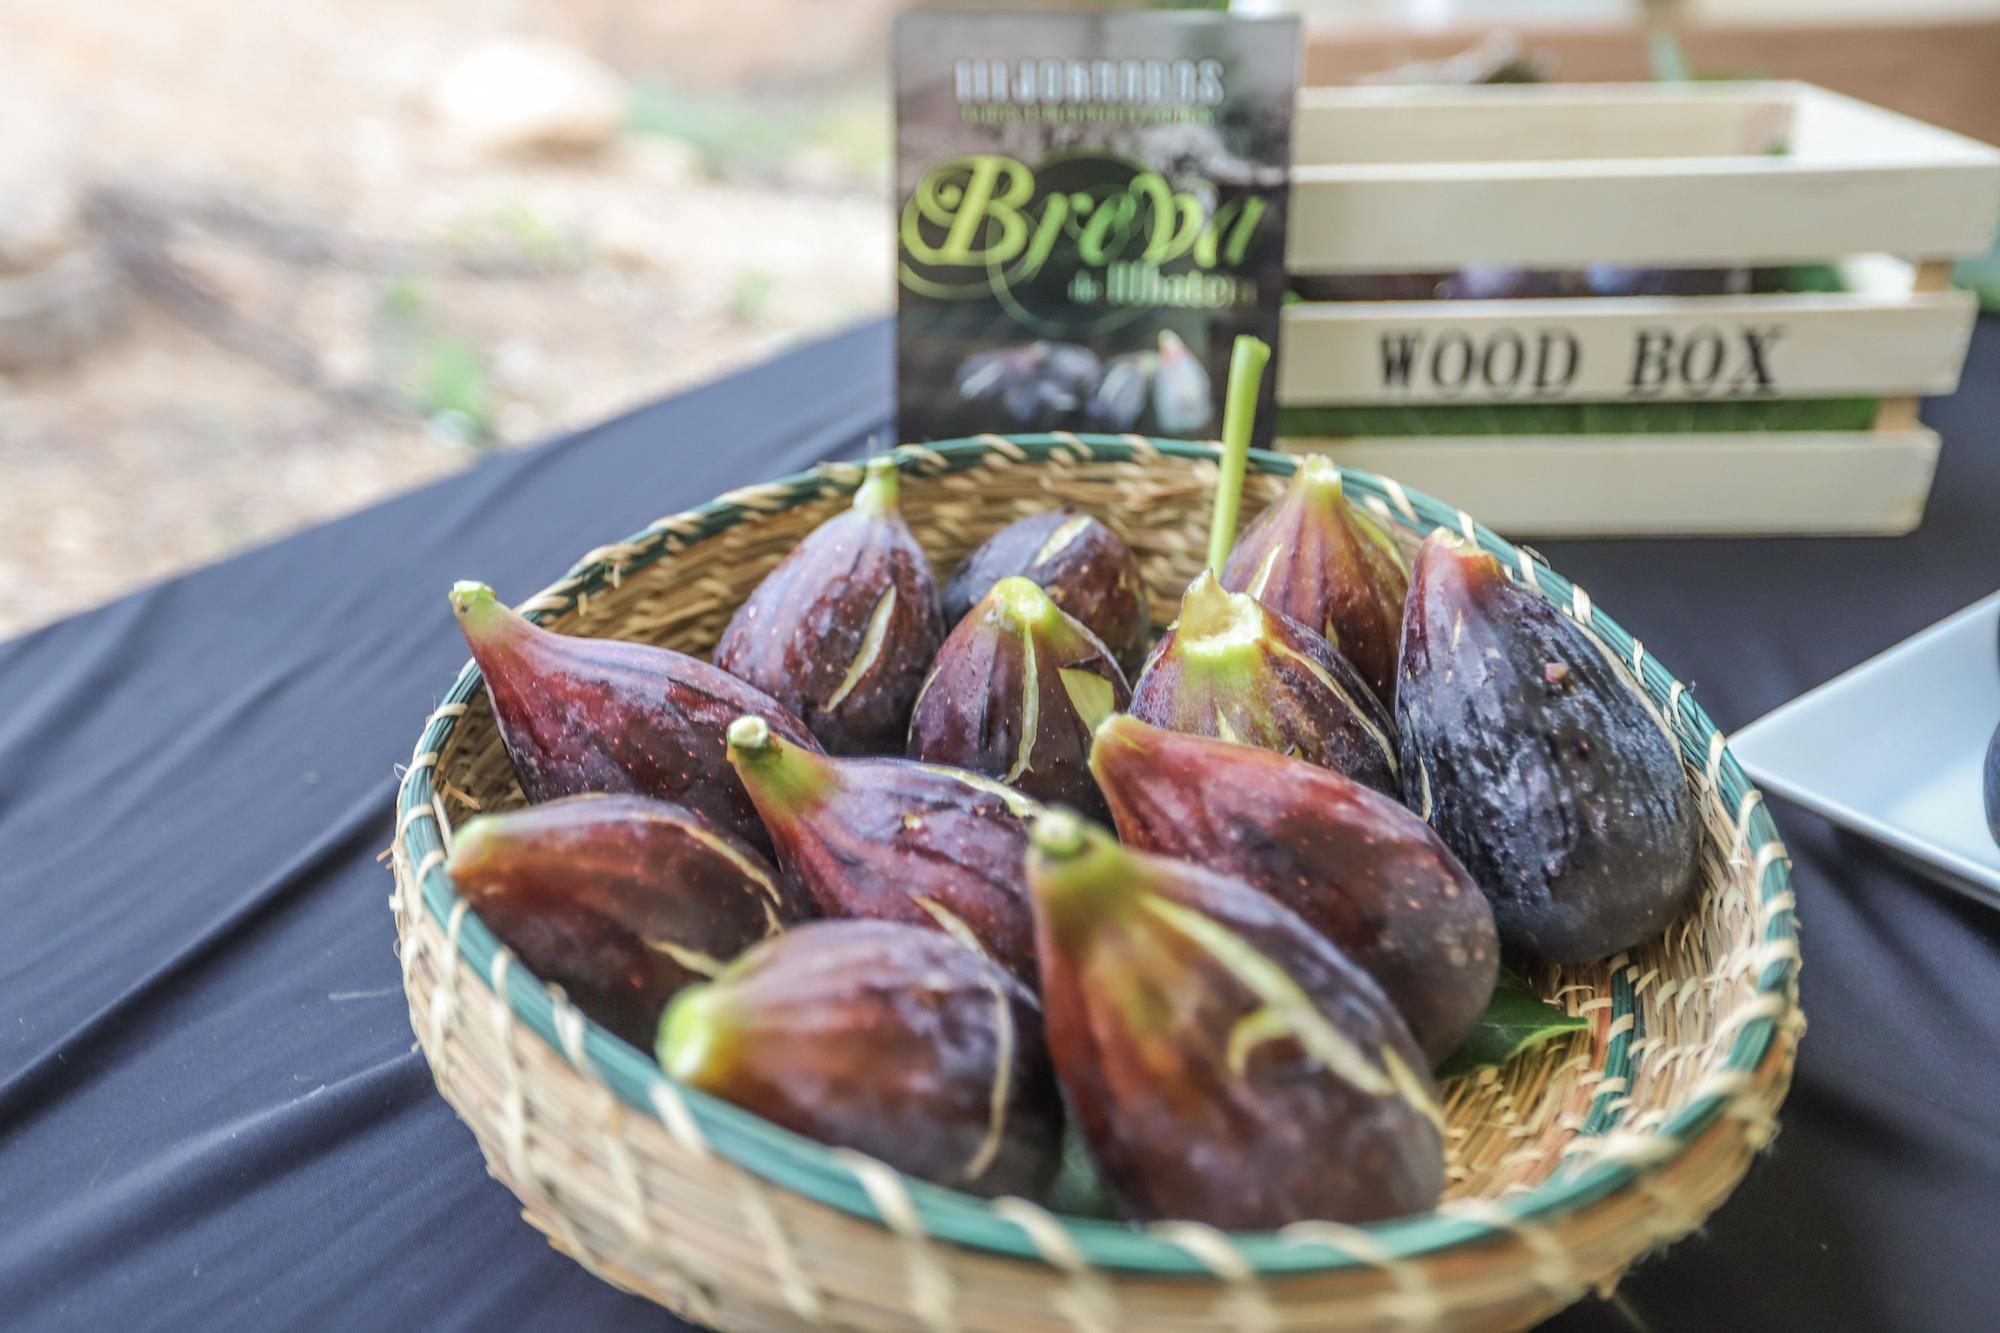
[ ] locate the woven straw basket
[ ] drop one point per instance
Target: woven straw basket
(1564, 1166)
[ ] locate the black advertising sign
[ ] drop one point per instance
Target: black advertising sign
(1090, 209)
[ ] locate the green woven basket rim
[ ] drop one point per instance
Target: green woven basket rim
(827, 1176)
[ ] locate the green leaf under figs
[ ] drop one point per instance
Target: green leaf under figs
(1515, 1020)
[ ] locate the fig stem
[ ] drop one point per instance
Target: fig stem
(689, 1033)
(1239, 417)
(781, 777)
(479, 611)
(880, 487)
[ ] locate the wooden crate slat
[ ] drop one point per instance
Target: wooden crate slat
(1545, 122)
(1850, 483)
(1623, 349)
(1857, 180)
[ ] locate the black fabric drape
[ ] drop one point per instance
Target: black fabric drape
(211, 1115)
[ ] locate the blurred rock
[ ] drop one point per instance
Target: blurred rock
(524, 96)
(41, 215)
(58, 310)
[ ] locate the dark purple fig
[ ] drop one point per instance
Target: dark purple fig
(841, 631)
(1236, 670)
(1354, 864)
(620, 900)
(1085, 567)
(897, 1042)
(599, 715)
(1332, 568)
(898, 840)
(1225, 1062)
(1550, 777)
(1367, 286)
(1015, 693)
(1495, 282)
(1035, 386)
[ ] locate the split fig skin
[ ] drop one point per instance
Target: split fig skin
(1015, 693)
(1551, 779)
(581, 715)
(1236, 670)
(1085, 567)
(842, 630)
(893, 1041)
(1223, 1060)
(1354, 864)
(1328, 565)
(620, 900)
(897, 840)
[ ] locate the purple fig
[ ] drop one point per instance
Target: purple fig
(599, 715)
(620, 900)
(897, 840)
(1354, 864)
(1553, 781)
(1329, 566)
(1224, 1061)
(1015, 693)
(841, 631)
(897, 1042)
(1238, 671)
(1085, 567)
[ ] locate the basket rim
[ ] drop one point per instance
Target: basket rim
(1602, 1160)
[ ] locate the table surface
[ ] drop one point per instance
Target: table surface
(211, 1112)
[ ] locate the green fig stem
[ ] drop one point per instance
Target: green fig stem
(1239, 417)
(1021, 600)
(691, 1033)
(782, 778)
(1078, 872)
(481, 614)
(1317, 472)
(880, 487)
(1213, 617)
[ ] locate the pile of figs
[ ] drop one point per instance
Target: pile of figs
(972, 877)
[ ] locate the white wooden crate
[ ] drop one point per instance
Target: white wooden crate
(1413, 180)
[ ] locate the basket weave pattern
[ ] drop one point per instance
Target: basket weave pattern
(1562, 1168)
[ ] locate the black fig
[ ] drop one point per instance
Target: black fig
(598, 715)
(841, 631)
(1329, 566)
(1225, 1062)
(896, 1042)
(1015, 693)
(1353, 863)
(620, 900)
(1551, 778)
(1085, 567)
(1236, 670)
(902, 841)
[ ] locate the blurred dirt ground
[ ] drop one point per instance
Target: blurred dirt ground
(350, 295)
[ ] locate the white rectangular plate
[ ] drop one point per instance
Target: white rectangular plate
(1894, 748)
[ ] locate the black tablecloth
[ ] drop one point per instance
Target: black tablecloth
(211, 1115)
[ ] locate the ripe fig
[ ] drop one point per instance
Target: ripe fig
(1329, 566)
(1552, 780)
(841, 631)
(1015, 693)
(1353, 863)
(1225, 1062)
(895, 839)
(599, 715)
(1085, 567)
(1034, 386)
(897, 1042)
(620, 900)
(1236, 670)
